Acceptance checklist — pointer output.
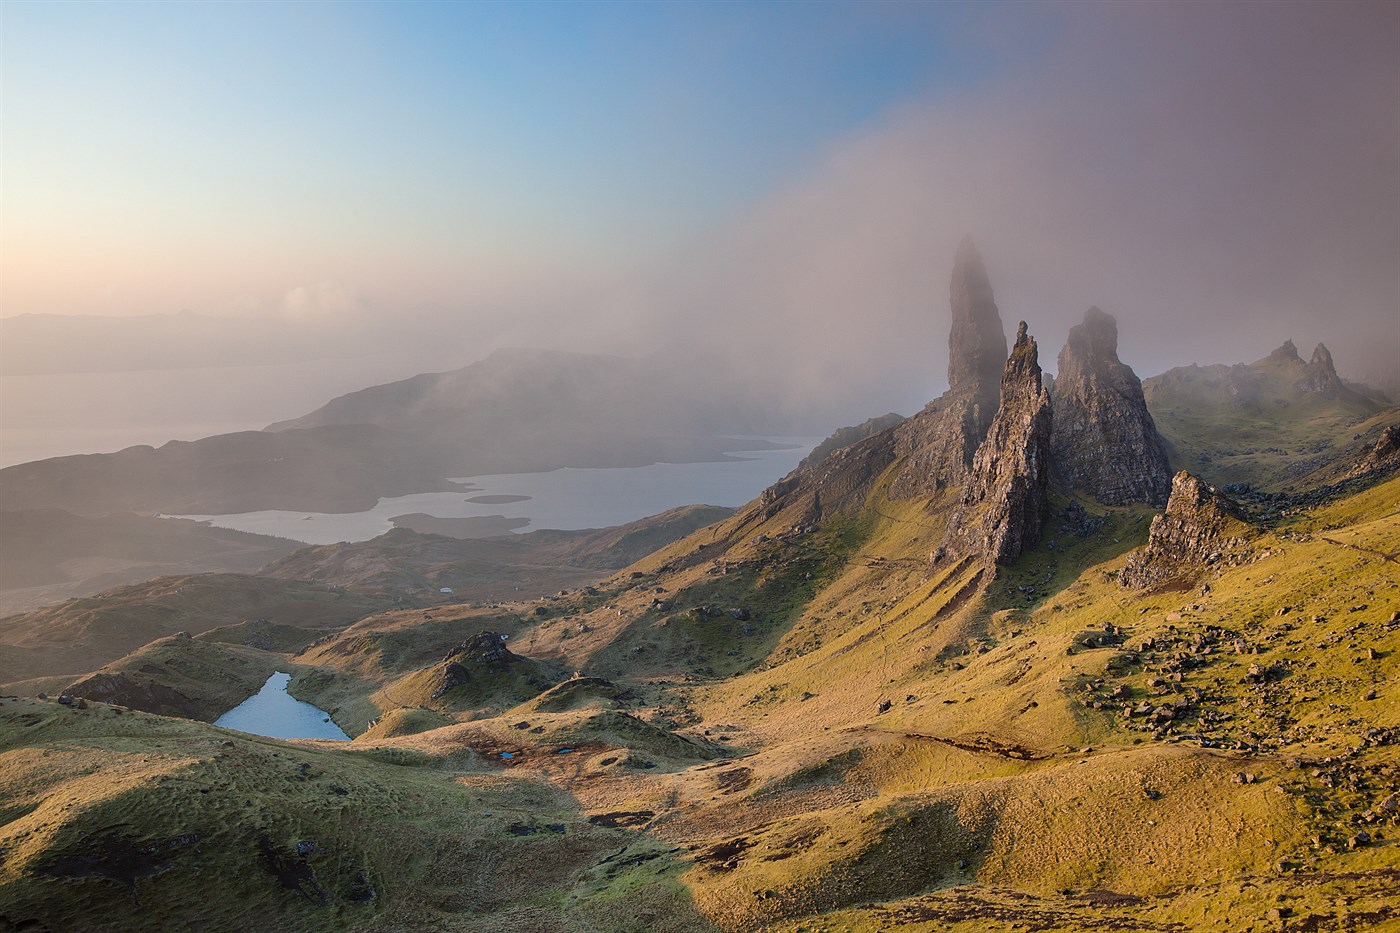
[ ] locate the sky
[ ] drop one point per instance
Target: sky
(773, 187)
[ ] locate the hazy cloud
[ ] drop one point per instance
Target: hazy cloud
(322, 301)
(1218, 176)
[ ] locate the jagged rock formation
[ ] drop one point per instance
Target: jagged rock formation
(939, 442)
(845, 437)
(1105, 443)
(1004, 503)
(1320, 376)
(1192, 534)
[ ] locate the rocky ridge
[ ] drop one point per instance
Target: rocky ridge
(1320, 375)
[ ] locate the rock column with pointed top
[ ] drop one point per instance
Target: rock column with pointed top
(1003, 505)
(1105, 443)
(977, 343)
(940, 441)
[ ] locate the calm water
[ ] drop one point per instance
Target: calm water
(565, 499)
(274, 712)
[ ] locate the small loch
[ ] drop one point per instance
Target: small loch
(273, 712)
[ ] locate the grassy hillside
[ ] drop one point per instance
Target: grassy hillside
(50, 555)
(123, 821)
(83, 634)
(1253, 423)
(782, 724)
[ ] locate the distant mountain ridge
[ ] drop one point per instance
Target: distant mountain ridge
(516, 411)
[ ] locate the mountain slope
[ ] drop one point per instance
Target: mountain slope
(1263, 423)
(83, 634)
(829, 712)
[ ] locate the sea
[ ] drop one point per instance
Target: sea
(565, 499)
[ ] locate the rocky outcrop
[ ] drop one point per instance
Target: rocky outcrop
(1105, 443)
(939, 443)
(1198, 530)
(1383, 456)
(1003, 506)
(121, 689)
(1320, 376)
(483, 650)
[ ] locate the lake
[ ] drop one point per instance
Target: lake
(273, 712)
(565, 499)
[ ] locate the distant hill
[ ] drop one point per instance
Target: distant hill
(1263, 423)
(516, 411)
(524, 566)
(81, 635)
(47, 555)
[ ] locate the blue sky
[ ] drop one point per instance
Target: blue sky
(343, 131)
(788, 178)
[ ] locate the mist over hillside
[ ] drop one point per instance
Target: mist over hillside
(414, 513)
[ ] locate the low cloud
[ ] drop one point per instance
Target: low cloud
(1219, 177)
(322, 301)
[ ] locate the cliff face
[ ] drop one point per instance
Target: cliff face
(939, 442)
(1105, 443)
(1003, 506)
(1192, 534)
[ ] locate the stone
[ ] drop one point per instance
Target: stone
(1105, 443)
(1003, 506)
(1286, 353)
(1383, 455)
(977, 344)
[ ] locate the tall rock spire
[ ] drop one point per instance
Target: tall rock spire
(977, 343)
(1003, 506)
(939, 442)
(1105, 443)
